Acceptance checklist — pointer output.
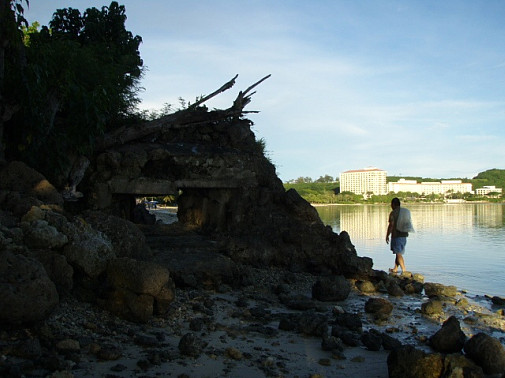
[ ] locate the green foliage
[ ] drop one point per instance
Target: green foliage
(316, 192)
(79, 79)
(326, 179)
(262, 148)
(490, 177)
(321, 192)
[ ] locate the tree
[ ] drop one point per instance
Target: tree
(303, 180)
(325, 179)
(11, 19)
(65, 107)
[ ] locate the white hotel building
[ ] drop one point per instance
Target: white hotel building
(373, 180)
(485, 190)
(364, 181)
(442, 187)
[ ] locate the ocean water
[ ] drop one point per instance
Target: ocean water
(454, 244)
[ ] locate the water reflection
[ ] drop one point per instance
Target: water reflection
(370, 221)
(456, 244)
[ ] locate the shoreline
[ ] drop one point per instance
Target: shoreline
(237, 332)
(406, 203)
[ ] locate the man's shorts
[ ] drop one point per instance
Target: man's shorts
(398, 245)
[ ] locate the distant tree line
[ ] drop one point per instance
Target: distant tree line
(326, 190)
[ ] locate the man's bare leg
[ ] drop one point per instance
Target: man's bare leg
(399, 261)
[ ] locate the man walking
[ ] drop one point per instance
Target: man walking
(400, 224)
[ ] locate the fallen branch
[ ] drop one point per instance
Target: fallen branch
(181, 118)
(225, 87)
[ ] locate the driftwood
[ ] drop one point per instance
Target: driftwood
(180, 118)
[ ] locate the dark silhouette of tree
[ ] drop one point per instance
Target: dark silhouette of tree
(79, 78)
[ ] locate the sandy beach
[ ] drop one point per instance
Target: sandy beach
(238, 334)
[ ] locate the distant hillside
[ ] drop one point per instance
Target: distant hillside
(493, 176)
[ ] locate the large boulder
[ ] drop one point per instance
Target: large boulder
(487, 352)
(139, 289)
(40, 234)
(18, 177)
(450, 338)
(407, 361)
(88, 250)
(329, 289)
(379, 308)
(57, 268)
(26, 292)
(127, 239)
(432, 289)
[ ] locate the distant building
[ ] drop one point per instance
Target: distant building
(364, 181)
(485, 190)
(442, 187)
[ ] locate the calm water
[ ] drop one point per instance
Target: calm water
(454, 244)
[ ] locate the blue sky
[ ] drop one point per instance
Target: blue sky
(415, 88)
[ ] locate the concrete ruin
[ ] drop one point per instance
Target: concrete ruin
(228, 190)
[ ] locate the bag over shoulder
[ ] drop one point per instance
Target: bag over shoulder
(404, 222)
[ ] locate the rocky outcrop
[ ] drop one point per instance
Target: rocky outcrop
(226, 188)
(26, 292)
(46, 253)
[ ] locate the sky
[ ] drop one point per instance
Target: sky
(416, 88)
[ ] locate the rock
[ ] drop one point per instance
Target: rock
(312, 324)
(380, 308)
(394, 289)
(450, 338)
(438, 290)
(372, 340)
(139, 289)
(68, 346)
(365, 286)
(332, 343)
(39, 234)
(190, 345)
(350, 338)
(432, 307)
(412, 287)
(408, 361)
(57, 267)
(142, 216)
(298, 302)
(29, 349)
(126, 238)
(27, 293)
(34, 214)
(334, 288)
(350, 321)
(487, 352)
(18, 177)
(88, 250)
(418, 277)
(463, 303)
(234, 353)
(109, 353)
(499, 301)
(389, 342)
(287, 323)
(457, 365)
